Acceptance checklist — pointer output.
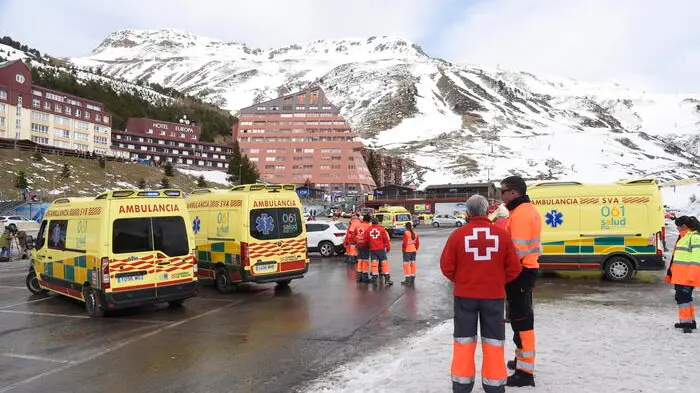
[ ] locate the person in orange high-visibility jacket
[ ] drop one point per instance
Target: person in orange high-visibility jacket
(525, 228)
(685, 270)
(409, 246)
(379, 246)
(350, 243)
(480, 259)
(362, 241)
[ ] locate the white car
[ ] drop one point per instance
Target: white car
(31, 228)
(326, 237)
(447, 221)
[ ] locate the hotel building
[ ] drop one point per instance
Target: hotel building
(161, 141)
(300, 137)
(49, 117)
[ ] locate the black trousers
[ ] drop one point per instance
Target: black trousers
(519, 293)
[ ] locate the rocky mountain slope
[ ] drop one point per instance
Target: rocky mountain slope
(456, 122)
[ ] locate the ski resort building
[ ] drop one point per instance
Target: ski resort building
(49, 117)
(302, 137)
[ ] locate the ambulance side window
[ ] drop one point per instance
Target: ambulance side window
(40, 237)
(57, 234)
(130, 235)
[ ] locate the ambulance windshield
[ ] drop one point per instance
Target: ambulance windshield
(275, 223)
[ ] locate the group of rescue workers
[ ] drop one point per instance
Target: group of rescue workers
(367, 244)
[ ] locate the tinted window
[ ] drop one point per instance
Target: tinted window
(165, 234)
(170, 235)
(315, 227)
(380, 217)
(130, 235)
(403, 217)
(341, 226)
(57, 234)
(40, 237)
(281, 223)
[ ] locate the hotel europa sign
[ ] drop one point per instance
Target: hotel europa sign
(173, 127)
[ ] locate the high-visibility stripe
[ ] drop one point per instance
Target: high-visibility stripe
(524, 354)
(493, 382)
(493, 341)
(528, 251)
(463, 380)
(465, 340)
(525, 366)
(526, 242)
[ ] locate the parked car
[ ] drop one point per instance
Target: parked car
(326, 237)
(447, 220)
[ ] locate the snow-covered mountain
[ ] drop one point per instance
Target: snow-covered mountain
(458, 122)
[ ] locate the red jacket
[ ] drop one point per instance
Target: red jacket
(378, 238)
(360, 234)
(480, 259)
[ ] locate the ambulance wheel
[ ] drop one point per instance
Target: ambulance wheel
(223, 281)
(618, 269)
(33, 284)
(326, 249)
(92, 304)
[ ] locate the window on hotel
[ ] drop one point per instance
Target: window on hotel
(36, 103)
(261, 108)
(67, 110)
(301, 99)
(57, 108)
(98, 117)
(57, 132)
(87, 115)
(3, 95)
(100, 140)
(78, 112)
(3, 107)
(105, 119)
(2, 121)
(79, 136)
(19, 100)
(81, 125)
(43, 141)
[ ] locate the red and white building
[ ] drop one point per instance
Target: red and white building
(50, 117)
(300, 137)
(161, 141)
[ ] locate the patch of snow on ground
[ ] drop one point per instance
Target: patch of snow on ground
(124, 184)
(212, 176)
(580, 348)
(18, 160)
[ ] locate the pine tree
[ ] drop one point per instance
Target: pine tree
(168, 169)
(65, 172)
(142, 184)
(164, 182)
(21, 181)
(201, 183)
(37, 156)
(249, 174)
(372, 162)
(102, 162)
(234, 164)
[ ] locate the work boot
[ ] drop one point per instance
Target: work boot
(512, 363)
(387, 280)
(692, 325)
(413, 280)
(687, 329)
(520, 379)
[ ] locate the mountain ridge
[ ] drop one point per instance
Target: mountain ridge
(442, 116)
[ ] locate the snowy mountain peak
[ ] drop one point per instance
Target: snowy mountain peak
(458, 123)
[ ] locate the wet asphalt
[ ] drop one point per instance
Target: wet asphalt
(257, 339)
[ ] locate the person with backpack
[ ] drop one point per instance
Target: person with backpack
(409, 246)
(684, 270)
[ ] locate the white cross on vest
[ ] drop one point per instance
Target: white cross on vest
(478, 244)
(374, 233)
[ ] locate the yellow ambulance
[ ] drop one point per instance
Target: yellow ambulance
(124, 248)
(616, 227)
(394, 219)
(250, 233)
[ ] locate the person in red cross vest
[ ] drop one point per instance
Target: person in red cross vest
(379, 246)
(480, 259)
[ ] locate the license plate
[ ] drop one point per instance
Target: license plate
(126, 279)
(265, 268)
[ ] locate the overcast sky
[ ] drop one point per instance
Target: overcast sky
(647, 44)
